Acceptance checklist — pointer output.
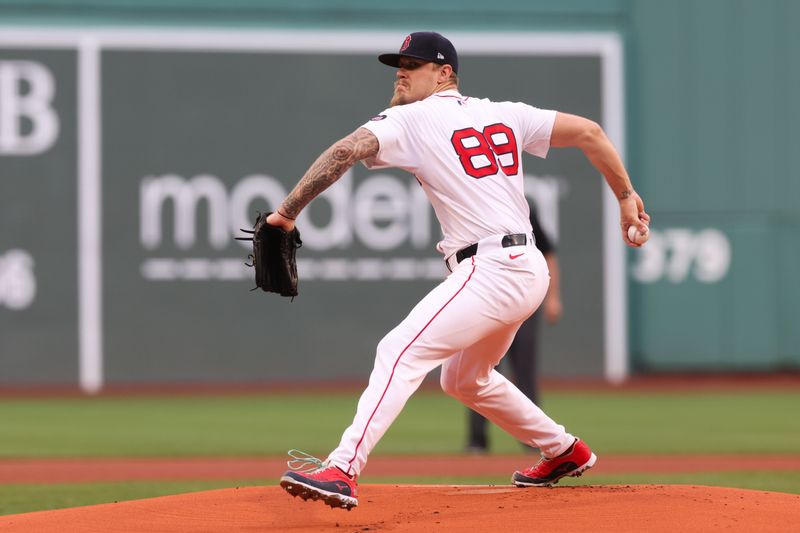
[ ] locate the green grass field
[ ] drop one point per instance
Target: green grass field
(733, 422)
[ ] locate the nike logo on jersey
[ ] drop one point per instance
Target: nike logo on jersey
(512, 256)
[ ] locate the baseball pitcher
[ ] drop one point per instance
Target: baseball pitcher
(466, 153)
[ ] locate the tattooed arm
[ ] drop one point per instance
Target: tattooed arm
(329, 167)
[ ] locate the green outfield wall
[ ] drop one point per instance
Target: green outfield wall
(166, 148)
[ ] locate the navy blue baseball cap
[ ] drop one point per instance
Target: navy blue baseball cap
(425, 45)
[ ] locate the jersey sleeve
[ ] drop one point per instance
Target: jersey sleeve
(395, 144)
(536, 127)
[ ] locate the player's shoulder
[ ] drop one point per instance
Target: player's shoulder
(399, 112)
(514, 106)
(499, 105)
(525, 113)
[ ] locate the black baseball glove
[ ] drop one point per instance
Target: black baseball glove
(273, 256)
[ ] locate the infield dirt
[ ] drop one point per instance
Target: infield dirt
(440, 508)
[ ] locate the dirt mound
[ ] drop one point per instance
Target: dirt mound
(617, 508)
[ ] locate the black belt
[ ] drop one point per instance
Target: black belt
(514, 239)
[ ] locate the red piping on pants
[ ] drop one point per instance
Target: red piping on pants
(364, 433)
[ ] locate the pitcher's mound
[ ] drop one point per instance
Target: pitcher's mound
(440, 508)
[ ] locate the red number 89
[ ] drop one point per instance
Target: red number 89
(491, 145)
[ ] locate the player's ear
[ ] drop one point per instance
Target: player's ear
(444, 73)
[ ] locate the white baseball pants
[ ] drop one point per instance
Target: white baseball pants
(465, 324)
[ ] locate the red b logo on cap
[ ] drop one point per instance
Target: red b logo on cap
(406, 43)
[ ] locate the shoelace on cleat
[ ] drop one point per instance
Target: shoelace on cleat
(542, 461)
(304, 462)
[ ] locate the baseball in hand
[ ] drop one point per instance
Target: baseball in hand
(636, 236)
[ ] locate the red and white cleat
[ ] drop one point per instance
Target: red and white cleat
(546, 473)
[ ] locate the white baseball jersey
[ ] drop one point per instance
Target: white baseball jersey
(467, 155)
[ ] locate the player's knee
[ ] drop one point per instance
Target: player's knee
(385, 347)
(448, 384)
(387, 351)
(458, 389)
